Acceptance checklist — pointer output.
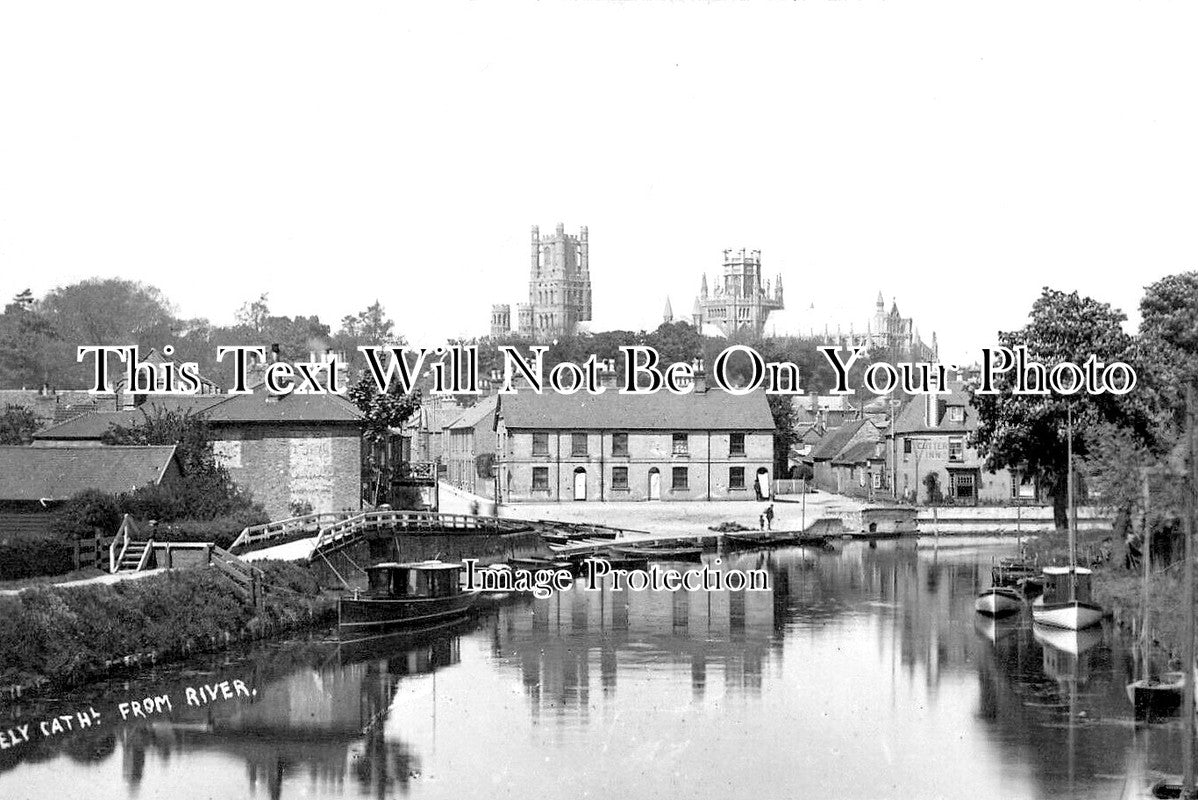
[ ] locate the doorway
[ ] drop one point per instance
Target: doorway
(654, 484)
(580, 484)
(763, 483)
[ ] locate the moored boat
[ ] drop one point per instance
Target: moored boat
(660, 553)
(405, 596)
(998, 601)
(1065, 602)
(1157, 697)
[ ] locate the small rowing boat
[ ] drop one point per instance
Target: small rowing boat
(660, 553)
(998, 601)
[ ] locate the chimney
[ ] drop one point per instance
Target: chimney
(274, 353)
(700, 376)
(931, 410)
(607, 373)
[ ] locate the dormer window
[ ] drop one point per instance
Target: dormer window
(956, 413)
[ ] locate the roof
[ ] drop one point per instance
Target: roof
(56, 473)
(94, 424)
(910, 418)
(476, 413)
(291, 408)
(835, 440)
(711, 410)
(1065, 570)
(858, 453)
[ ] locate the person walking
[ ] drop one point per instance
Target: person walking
(769, 517)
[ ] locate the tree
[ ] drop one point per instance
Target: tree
(1028, 432)
(253, 314)
(17, 425)
(785, 433)
(381, 412)
(206, 490)
(1168, 343)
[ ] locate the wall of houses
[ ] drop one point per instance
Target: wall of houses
(961, 471)
(707, 469)
(290, 465)
(465, 445)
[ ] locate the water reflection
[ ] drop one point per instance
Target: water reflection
(861, 673)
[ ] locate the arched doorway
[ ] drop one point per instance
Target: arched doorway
(763, 483)
(654, 484)
(580, 483)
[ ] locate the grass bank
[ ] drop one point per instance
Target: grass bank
(63, 636)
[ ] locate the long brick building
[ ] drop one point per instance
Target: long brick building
(708, 445)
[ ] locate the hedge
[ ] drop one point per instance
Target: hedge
(29, 557)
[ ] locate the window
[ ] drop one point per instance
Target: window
(736, 477)
(680, 444)
(540, 479)
(736, 444)
(906, 445)
(956, 448)
(578, 444)
(956, 413)
(963, 485)
(540, 443)
(680, 479)
(619, 444)
(619, 478)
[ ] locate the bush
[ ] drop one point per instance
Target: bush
(221, 531)
(32, 558)
(86, 512)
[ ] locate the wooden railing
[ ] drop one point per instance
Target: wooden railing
(246, 577)
(408, 521)
(120, 543)
(306, 523)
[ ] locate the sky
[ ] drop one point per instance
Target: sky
(955, 156)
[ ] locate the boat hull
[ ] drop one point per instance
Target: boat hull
(1157, 698)
(998, 602)
(1072, 615)
(375, 614)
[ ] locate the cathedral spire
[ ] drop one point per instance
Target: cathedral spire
(703, 290)
(668, 315)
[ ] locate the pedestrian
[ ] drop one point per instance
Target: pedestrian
(761, 521)
(769, 517)
(757, 490)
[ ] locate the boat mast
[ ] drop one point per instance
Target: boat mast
(1146, 555)
(1187, 708)
(1072, 515)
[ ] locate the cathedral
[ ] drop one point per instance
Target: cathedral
(559, 289)
(741, 301)
(887, 333)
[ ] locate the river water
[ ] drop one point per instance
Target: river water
(862, 673)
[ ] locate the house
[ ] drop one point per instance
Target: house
(296, 453)
(931, 436)
(706, 445)
(35, 480)
(292, 452)
(837, 443)
(470, 448)
(859, 469)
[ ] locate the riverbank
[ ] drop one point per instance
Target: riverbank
(63, 636)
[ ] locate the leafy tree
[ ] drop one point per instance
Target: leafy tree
(785, 433)
(1028, 432)
(31, 352)
(109, 311)
(931, 483)
(17, 425)
(253, 314)
(381, 411)
(206, 490)
(1168, 343)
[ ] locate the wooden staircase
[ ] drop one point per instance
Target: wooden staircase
(135, 557)
(127, 554)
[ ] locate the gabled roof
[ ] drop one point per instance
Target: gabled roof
(56, 473)
(476, 413)
(911, 417)
(261, 406)
(859, 453)
(714, 409)
(835, 440)
(93, 425)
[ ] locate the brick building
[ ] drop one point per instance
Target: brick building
(707, 445)
(294, 452)
(931, 435)
(470, 448)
